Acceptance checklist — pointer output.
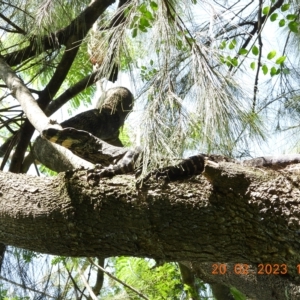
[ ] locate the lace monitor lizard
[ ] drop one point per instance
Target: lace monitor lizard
(112, 160)
(103, 122)
(93, 136)
(98, 143)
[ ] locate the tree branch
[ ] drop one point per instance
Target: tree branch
(118, 280)
(71, 92)
(23, 95)
(60, 37)
(224, 218)
(259, 29)
(18, 29)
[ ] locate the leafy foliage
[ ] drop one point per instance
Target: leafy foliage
(162, 282)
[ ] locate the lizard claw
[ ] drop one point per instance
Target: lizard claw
(92, 174)
(99, 172)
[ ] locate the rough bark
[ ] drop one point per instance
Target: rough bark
(233, 214)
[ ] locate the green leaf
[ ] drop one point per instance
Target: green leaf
(271, 54)
(234, 62)
(134, 32)
(273, 71)
(285, 7)
(243, 51)
(222, 59)
(144, 22)
(232, 44)
(291, 17)
(266, 10)
(179, 44)
(127, 10)
(280, 60)
(151, 62)
(281, 23)
(252, 65)
(255, 50)
(142, 8)
(273, 17)
(222, 45)
(142, 28)
(194, 1)
(228, 61)
(148, 15)
(265, 69)
(153, 5)
(293, 26)
(134, 20)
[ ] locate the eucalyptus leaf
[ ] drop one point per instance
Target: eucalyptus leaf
(273, 71)
(154, 5)
(134, 32)
(273, 17)
(281, 23)
(255, 50)
(265, 69)
(232, 44)
(234, 62)
(271, 54)
(243, 51)
(285, 7)
(291, 17)
(266, 10)
(294, 26)
(280, 60)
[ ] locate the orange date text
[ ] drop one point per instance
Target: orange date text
(244, 269)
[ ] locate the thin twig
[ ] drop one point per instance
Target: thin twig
(259, 26)
(118, 280)
(93, 296)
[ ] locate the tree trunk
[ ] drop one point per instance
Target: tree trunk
(232, 214)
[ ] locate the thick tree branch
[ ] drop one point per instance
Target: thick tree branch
(240, 215)
(34, 113)
(100, 276)
(259, 29)
(232, 187)
(24, 136)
